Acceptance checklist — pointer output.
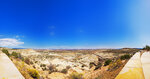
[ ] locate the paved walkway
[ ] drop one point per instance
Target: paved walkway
(7, 69)
(138, 67)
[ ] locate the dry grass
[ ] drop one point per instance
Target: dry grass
(27, 71)
(76, 75)
(34, 73)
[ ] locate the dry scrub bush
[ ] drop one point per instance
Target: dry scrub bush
(68, 67)
(52, 68)
(115, 65)
(28, 61)
(64, 71)
(34, 73)
(23, 69)
(76, 75)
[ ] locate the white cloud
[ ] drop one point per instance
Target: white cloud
(17, 36)
(10, 42)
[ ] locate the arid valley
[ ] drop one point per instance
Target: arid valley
(69, 64)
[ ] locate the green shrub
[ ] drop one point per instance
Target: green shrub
(107, 62)
(22, 58)
(98, 66)
(42, 65)
(146, 48)
(6, 52)
(34, 73)
(64, 71)
(127, 56)
(76, 75)
(16, 55)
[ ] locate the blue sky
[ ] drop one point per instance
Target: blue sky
(74, 23)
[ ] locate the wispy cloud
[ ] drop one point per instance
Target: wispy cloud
(10, 42)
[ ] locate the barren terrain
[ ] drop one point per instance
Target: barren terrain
(61, 64)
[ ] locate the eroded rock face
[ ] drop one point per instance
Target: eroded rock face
(77, 60)
(61, 61)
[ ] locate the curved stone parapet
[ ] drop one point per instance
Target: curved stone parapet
(133, 69)
(7, 69)
(145, 60)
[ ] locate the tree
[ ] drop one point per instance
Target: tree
(146, 48)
